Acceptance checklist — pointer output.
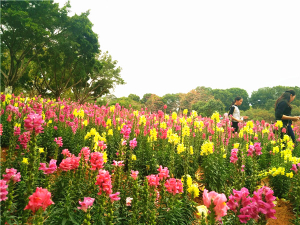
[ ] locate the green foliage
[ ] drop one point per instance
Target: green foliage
(266, 97)
(145, 97)
(260, 114)
(126, 103)
(134, 97)
(206, 109)
(172, 102)
(27, 28)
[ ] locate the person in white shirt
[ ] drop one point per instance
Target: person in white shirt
(234, 113)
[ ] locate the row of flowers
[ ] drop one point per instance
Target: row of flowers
(87, 150)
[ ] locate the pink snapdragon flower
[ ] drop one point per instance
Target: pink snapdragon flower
(238, 199)
(102, 145)
(51, 169)
(133, 143)
(1, 129)
(233, 157)
(96, 160)
(39, 199)
(219, 201)
(153, 180)
(66, 164)
(257, 148)
(59, 141)
(103, 180)
(134, 174)
(250, 150)
(17, 131)
(174, 186)
(118, 163)
(114, 197)
(3, 190)
(33, 123)
(11, 174)
(294, 167)
(86, 153)
(163, 173)
(66, 153)
(125, 131)
(261, 203)
(24, 139)
(86, 204)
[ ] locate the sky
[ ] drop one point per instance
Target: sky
(175, 46)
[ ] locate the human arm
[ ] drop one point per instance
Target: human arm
(293, 118)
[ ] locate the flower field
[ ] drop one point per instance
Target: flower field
(68, 163)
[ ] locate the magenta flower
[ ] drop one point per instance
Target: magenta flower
(250, 150)
(59, 141)
(125, 131)
(51, 169)
(1, 129)
(233, 157)
(134, 174)
(11, 174)
(24, 139)
(33, 123)
(238, 197)
(114, 197)
(294, 167)
(133, 143)
(3, 190)
(257, 148)
(17, 131)
(103, 180)
(86, 204)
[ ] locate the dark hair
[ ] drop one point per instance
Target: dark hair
(286, 96)
(236, 99)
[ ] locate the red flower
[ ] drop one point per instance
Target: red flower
(39, 199)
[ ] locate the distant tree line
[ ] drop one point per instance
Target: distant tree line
(205, 100)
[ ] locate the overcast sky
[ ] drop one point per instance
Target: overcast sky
(174, 46)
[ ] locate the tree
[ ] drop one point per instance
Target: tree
(206, 109)
(69, 59)
(154, 103)
(134, 97)
(105, 76)
(265, 98)
(224, 96)
(27, 28)
(172, 102)
(242, 93)
(195, 95)
(146, 97)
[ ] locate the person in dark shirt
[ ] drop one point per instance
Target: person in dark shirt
(283, 110)
(235, 113)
